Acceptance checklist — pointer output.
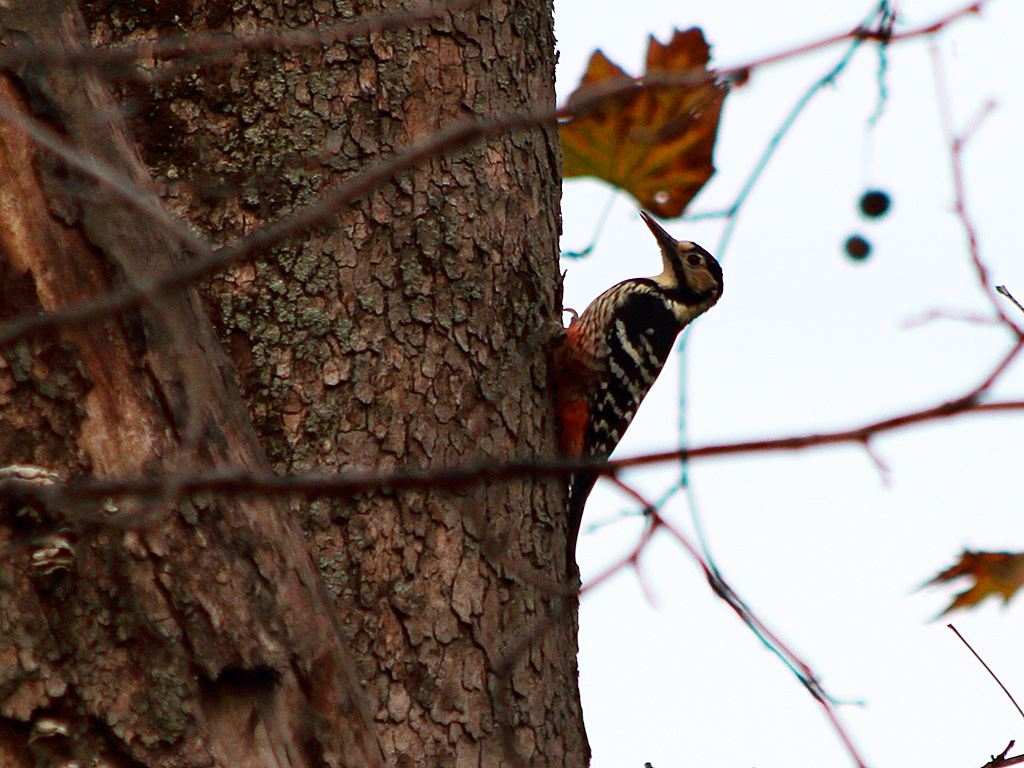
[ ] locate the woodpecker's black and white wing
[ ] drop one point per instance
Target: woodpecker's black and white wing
(615, 350)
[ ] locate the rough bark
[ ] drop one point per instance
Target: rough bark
(402, 336)
(177, 635)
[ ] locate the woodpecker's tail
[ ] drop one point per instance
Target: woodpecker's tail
(579, 490)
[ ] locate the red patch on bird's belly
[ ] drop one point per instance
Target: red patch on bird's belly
(574, 367)
(573, 415)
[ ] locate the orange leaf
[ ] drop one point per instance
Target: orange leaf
(654, 142)
(994, 573)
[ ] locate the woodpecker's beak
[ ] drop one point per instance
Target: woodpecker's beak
(665, 240)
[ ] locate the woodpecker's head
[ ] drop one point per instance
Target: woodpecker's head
(689, 269)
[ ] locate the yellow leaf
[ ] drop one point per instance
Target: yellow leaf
(656, 142)
(994, 573)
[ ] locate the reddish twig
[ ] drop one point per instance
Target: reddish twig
(951, 314)
(1002, 291)
(1000, 760)
(997, 371)
(957, 142)
(628, 560)
(882, 35)
(989, 670)
(221, 44)
(235, 482)
(884, 470)
(634, 559)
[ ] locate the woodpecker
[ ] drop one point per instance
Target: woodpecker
(605, 362)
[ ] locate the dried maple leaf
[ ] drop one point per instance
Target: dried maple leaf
(654, 142)
(994, 573)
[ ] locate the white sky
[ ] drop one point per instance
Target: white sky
(806, 340)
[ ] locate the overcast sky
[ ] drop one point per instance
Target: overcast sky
(827, 553)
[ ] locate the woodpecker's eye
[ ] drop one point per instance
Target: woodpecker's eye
(694, 260)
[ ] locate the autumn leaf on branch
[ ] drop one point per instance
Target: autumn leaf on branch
(655, 142)
(994, 573)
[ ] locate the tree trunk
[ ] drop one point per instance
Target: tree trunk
(200, 632)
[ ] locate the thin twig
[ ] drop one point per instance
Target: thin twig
(236, 482)
(958, 315)
(987, 669)
(884, 470)
(997, 371)
(1001, 761)
(957, 142)
(1001, 289)
(222, 44)
(861, 33)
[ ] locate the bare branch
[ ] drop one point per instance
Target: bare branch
(220, 45)
(958, 315)
(957, 142)
(1002, 290)
(989, 670)
(237, 482)
(880, 34)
